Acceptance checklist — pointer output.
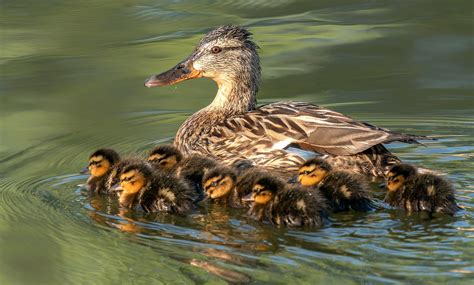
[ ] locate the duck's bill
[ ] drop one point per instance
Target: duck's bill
(116, 188)
(85, 170)
(182, 71)
(248, 198)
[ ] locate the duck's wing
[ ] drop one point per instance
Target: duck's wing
(309, 127)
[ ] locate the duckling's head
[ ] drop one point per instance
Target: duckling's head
(264, 189)
(313, 171)
(165, 157)
(134, 176)
(226, 54)
(243, 164)
(398, 174)
(101, 161)
(218, 182)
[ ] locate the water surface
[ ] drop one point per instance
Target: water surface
(71, 81)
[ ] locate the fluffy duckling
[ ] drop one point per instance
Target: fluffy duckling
(343, 190)
(165, 157)
(101, 162)
(220, 185)
(113, 178)
(419, 192)
(274, 202)
(191, 169)
(247, 175)
(194, 166)
(153, 191)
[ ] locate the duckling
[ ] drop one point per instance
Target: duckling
(113, 178)
(190, 169)
(419, 192)
(165, 157)
(293, 207)
(151, 191)
(343, 190)
(100, 165)
(247, 175)
(194, 166)
(220, 185)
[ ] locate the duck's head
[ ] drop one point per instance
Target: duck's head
(398, 174)
(218, 182)
(313, 171)
(264, 190)
(165, 157)
(133, 177)
(101, 161)
(226, 55)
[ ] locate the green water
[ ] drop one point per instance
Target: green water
(71, 81)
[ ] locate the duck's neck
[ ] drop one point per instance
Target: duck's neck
(235, 96)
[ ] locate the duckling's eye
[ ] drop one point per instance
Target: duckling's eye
(216, 49)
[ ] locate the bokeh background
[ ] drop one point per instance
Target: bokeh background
(71, 81)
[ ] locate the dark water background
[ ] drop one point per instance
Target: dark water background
(71, 81)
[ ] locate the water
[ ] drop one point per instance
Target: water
(71, 81)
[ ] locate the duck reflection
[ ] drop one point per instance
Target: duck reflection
(228, 275)
(105, 210)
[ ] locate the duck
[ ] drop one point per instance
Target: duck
(165, 157)
(100, 165)
(233, 127)
(344, 191)
(190, 169)
(169, 158)
(273, 201)
(142, 188)
(220, 185)
(113, 178)
(415, 192)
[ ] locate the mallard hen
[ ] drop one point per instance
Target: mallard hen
(232, 127)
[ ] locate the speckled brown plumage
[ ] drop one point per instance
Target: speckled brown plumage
(233, 128)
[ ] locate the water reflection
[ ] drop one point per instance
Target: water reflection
(71, 81)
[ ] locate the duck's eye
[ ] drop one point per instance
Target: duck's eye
(216, 49)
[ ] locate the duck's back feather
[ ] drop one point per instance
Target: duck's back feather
(311, 127)
(263, 135)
